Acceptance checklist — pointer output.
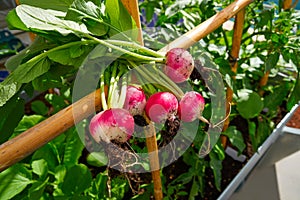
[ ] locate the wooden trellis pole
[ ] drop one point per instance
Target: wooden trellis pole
(151, 141)
(234, 55)
(286, 4)
(26, 143)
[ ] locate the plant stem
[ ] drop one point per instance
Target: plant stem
(103, 99)
(113, 87)
(109, 45)
(63, 46)
(137, 47)
(153, 78)
(122, 96)
(173, 85)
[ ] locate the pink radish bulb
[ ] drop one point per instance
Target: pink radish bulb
(113, 124)
(191, 106)
(135, 100)
(161, 106)
(179, 65)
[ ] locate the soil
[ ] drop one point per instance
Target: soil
(294, 122)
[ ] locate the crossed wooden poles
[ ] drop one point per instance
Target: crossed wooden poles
(26, 143)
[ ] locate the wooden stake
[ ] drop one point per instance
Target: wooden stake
(133, 8)
(234, 54)
(287, 4)
(26, 143)
(151, 141)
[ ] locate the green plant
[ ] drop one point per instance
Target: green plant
(54, 58)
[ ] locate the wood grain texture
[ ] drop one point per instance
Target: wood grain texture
(234, 54)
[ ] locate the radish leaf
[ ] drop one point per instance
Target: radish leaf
(8, 88)
(48, 20)
(119, 16)
(61, 5)
(91, 15)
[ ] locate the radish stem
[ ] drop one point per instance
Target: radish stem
(103, 99)
(109, 45)
(162, 79)
(137, 47)
(123, 92)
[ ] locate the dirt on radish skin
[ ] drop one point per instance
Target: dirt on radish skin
(115, 124)
(135, 101)
(191, 106)
(179, 65)
(161, 106)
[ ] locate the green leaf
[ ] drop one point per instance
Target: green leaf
(28, 122)
(28, 71)
(90, 14)
(40, 167)
(276, 97)
(73, 54)
(39, 107)
(37, 189)
(194, 190)
(119, 187)
(14, 22)
(235, 138)
(48, 20)
(36, 47)
(97, 159)
(216, 165)
(11, 114)
(271, 61)
(265, 17)
(119, 17)
(13, 181)
(58, 102)
(78, 178)
(61, 5)
(73, 148)
(97, 190)
(51, 157)
(294, 97)
(263, 131)
(149, 11)
(54, 78)
(249, 103)
(252, 134)
(59, 174)
(8, 88)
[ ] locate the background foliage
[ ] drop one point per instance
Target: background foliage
(270, 45)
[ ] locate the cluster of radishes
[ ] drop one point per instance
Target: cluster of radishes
(117, 124)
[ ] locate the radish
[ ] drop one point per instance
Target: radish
(179, 65)
(161, 106)
(191, 106)
(135, 101)
(114, 124)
